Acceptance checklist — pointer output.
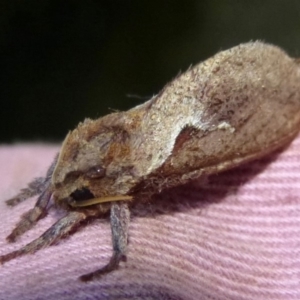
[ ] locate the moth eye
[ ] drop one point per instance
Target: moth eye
(96, 172)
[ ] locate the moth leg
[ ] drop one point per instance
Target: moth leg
(54, 233)
(119, 220)
(29, 219)
(34, 188)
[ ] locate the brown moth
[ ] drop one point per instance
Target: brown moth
(232, 108)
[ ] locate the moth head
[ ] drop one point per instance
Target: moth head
(94, 165)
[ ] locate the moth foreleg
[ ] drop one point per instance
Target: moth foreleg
(36, 187)
(119, 220)
(54, 233)
(29, 219)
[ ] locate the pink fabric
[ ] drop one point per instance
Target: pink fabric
(235, 236)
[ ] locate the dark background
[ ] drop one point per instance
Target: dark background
(62, 61)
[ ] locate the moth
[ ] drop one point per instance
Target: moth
(234, 107)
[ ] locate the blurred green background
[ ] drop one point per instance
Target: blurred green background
(62, 61)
